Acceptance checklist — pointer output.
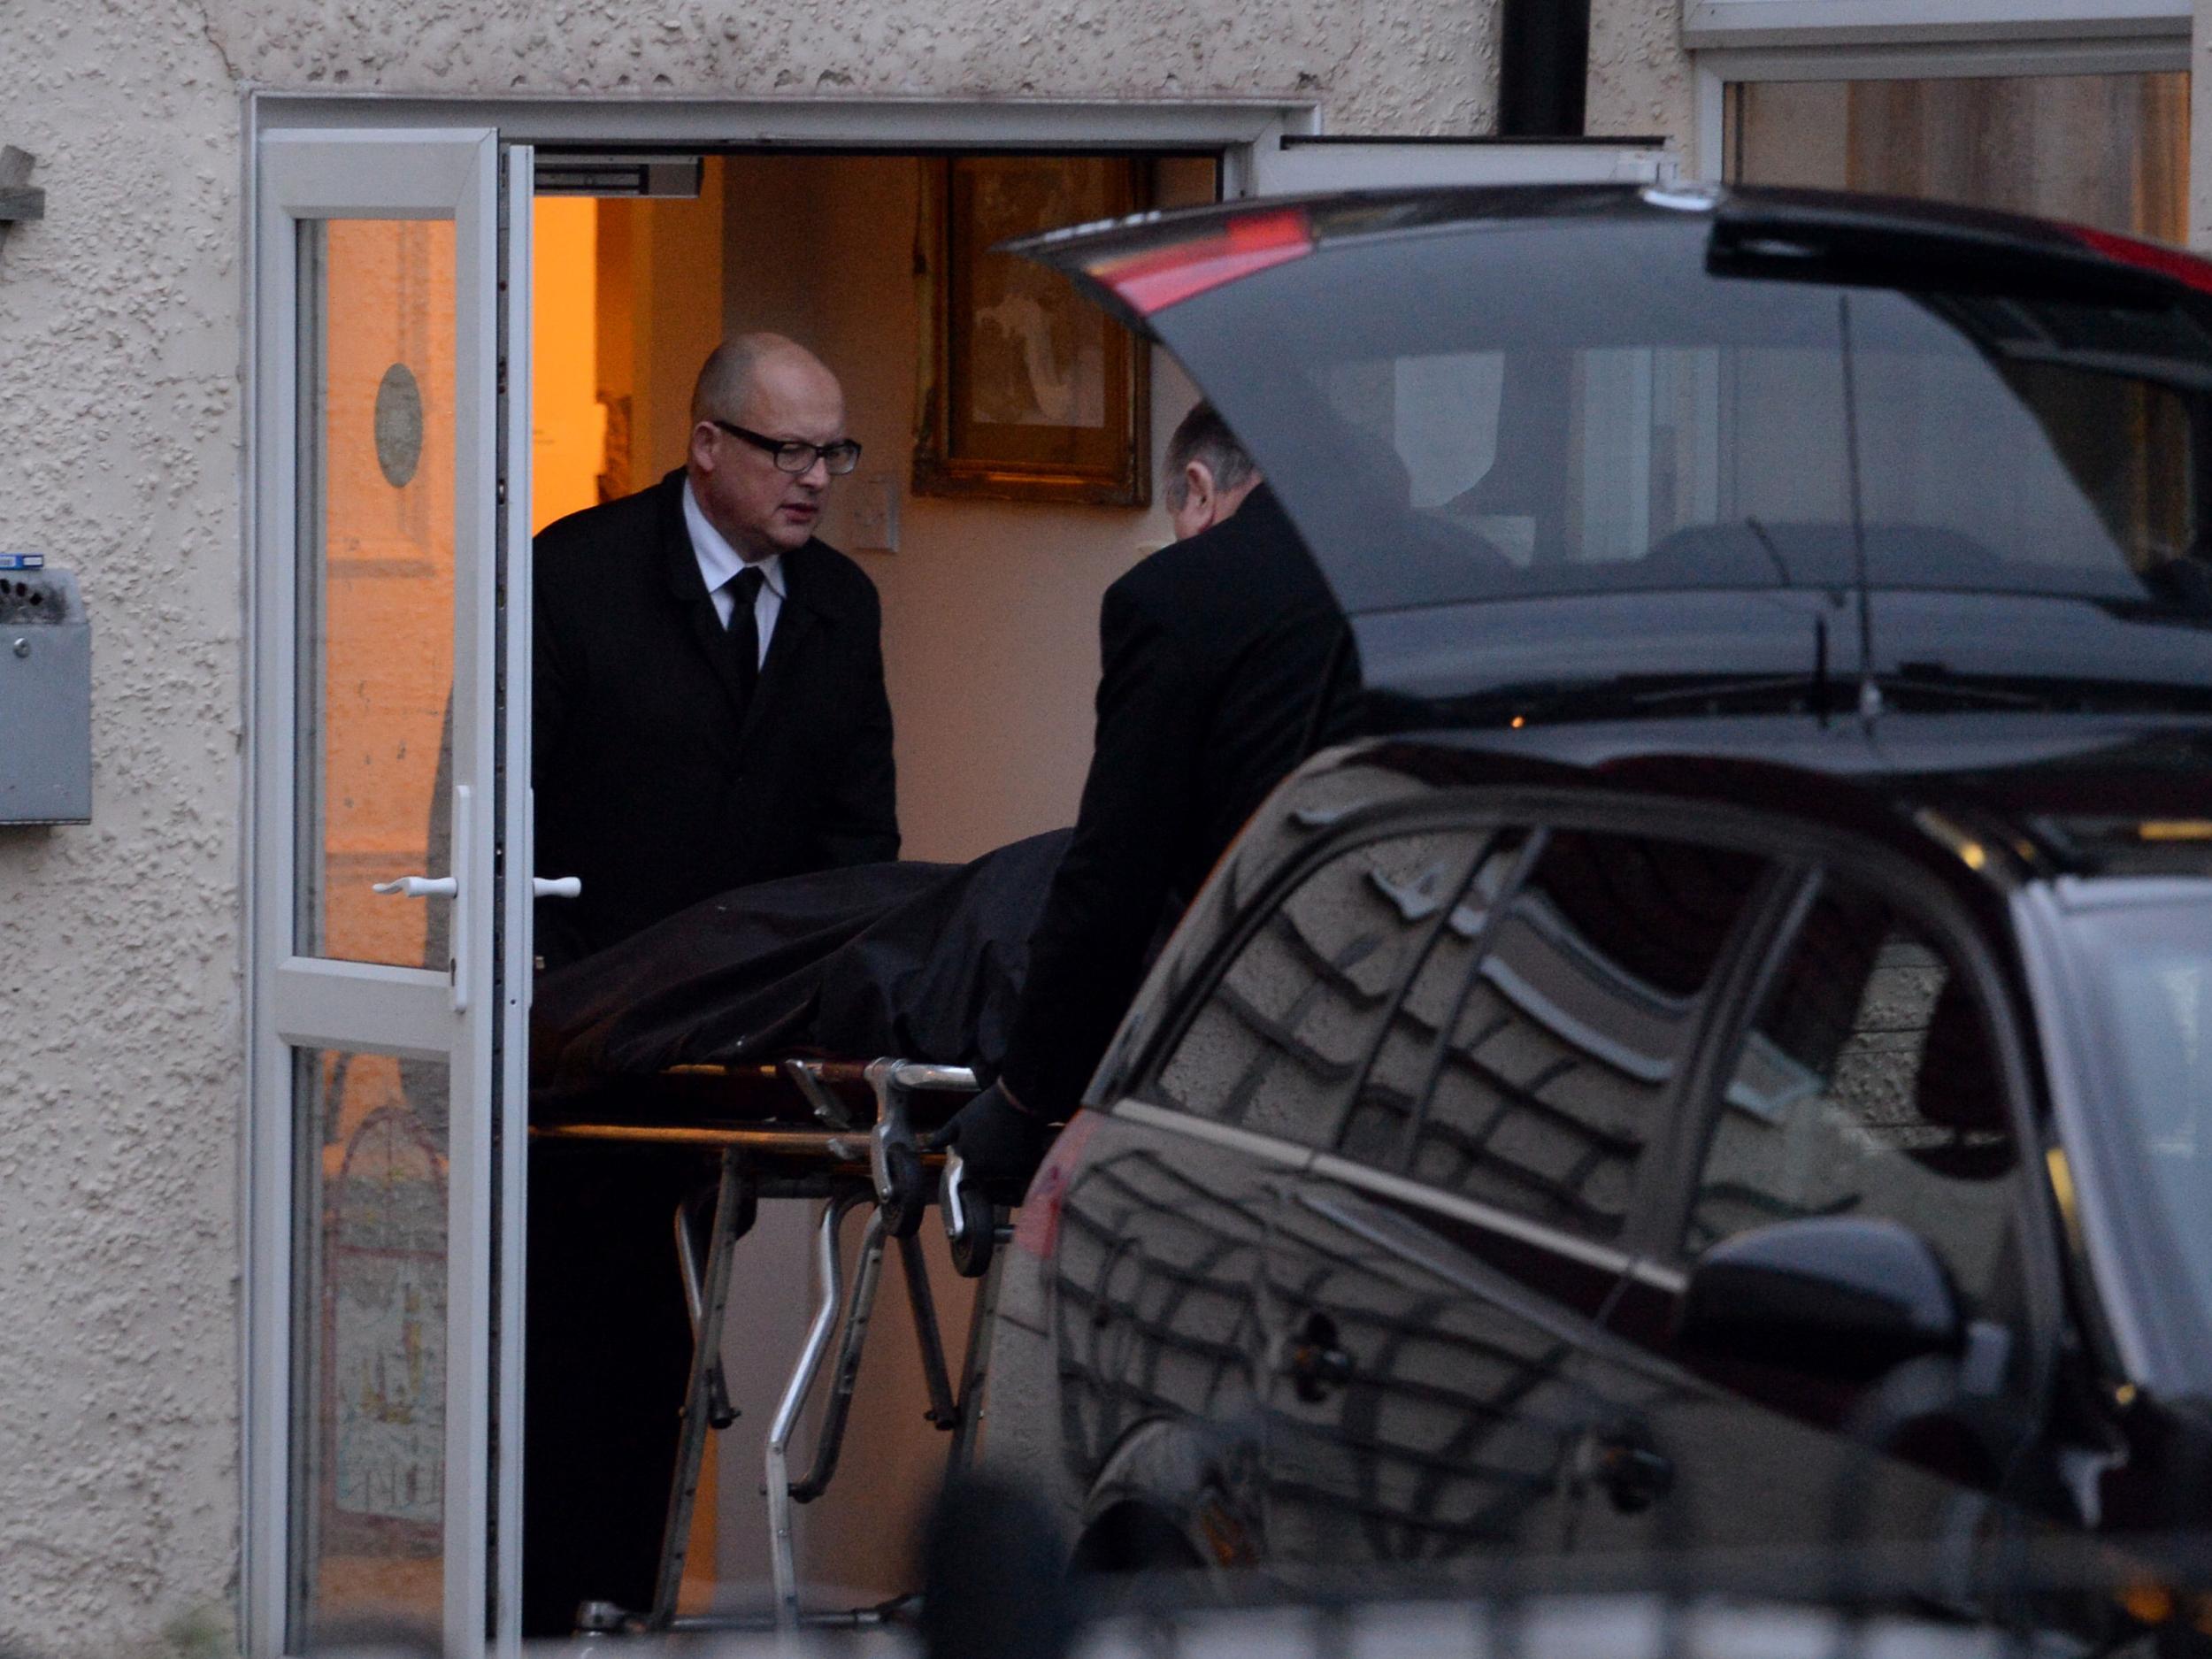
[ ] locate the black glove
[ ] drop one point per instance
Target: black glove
(1000, 1144)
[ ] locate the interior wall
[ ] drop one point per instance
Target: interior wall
(568, 420)
(991, 655)
(990, 608)
(659, 307)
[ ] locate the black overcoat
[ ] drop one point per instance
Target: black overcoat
(1225, 659)
(658, 783)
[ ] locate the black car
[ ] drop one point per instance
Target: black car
(1730, 1063)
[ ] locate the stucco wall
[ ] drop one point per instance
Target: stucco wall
(1641, 83)
(121, 1100)
(1391, 65)
(119, 1045)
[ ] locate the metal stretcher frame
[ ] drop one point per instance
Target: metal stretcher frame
(843, 1165)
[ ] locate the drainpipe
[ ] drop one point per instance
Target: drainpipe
(1543, 61)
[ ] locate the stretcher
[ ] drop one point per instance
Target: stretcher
(842, 1134)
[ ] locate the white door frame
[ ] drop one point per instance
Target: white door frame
(478, 1494)
(1230, 125)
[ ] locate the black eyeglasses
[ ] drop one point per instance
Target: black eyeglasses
(791, 456)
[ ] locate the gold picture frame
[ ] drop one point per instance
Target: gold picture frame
(1028, 392)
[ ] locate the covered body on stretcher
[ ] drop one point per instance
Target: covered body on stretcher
(716, 1029)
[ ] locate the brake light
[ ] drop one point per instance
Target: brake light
(1037, 1223)
(1161, 277)
(2185, 268)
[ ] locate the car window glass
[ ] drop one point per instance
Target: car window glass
(1599, 409)
(1566, 1035)
(1277, 1042)
(1867, 1085)
(1636, 495)
(1393, 1093)
(2149, 981)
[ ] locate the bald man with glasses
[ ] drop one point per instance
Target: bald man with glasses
(708, 712)
(709, 707)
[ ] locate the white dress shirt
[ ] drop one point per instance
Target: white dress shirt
(719, 567)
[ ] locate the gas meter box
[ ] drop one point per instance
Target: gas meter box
(45, 695)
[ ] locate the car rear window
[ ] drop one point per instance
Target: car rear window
(1577, 407)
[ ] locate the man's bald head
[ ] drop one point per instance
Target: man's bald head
(733, 369)
(754, 392)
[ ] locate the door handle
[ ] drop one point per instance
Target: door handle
(448, 887)
(419, 887)
(555, 887)
(1632, 1472)
(1317, 1365)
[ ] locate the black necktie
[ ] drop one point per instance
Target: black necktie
(744, 630)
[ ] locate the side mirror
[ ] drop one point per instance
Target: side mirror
(1840, 1296)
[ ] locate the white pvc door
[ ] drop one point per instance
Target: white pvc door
(386, 997)
(1294, 164)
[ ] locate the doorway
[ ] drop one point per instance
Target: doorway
(990, 610)
(990, 607)
(990, 640)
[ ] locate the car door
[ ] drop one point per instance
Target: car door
(1155, 1297)
(1158, 1317)
(1451, 1251)
(1865, 1079)
(1288, 1019)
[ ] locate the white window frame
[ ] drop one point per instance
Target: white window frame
(1737, 23)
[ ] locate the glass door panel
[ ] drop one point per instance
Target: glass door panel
(369, 1382)
(378, 337)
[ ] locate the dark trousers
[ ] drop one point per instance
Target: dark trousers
(609, 1347)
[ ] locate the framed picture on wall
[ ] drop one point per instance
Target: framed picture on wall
(1027, 393)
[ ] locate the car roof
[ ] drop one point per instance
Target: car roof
(1998, 798)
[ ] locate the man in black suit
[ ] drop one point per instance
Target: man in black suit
(708, 712)
(1225, 661)
(709, 700)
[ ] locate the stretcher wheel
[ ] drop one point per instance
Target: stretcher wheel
(903, 1209)
(972, 1238)
(971, 1220)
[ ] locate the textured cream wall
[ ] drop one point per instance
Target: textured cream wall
(1641, 83)
(121, 1098)
(120, 1039)
(1394, 65)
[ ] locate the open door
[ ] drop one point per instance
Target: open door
(1296, 163)
(388, 955)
